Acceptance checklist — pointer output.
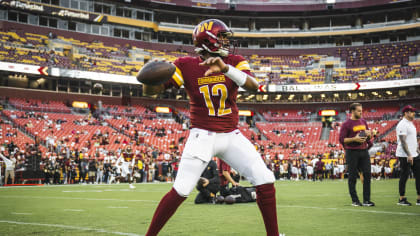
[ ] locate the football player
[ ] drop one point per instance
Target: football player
(211, 80)
(126, 164)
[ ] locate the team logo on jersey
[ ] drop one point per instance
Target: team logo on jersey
(206, 26)
(211, 79)
(359, 128)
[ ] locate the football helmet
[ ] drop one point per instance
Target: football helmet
(212, 36)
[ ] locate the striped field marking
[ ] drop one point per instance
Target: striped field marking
(76, 210)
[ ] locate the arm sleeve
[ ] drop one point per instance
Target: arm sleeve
(343, 133)
(177, 79)
(224, 166)
(401, 129)
(243, 65)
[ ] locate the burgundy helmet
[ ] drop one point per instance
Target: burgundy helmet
(211, 36)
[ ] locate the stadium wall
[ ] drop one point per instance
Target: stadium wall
(70, 97)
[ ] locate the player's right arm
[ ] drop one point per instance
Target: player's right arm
(242, 79)
(177, 81)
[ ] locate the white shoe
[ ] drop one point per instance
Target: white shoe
(132, 186)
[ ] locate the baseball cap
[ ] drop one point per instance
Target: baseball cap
(408, 108)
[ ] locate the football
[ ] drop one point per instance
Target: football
(220, 199)
(229, 200)
(156, 72)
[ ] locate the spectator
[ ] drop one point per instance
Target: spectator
(10, 168)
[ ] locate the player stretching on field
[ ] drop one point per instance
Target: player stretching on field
(126, 164)
(212, 80)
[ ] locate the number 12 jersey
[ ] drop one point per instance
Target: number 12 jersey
(212, 98)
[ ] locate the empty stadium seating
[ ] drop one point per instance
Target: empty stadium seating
(380, 54)
(38, 105)
(286, 115)
(378, 113)
(365, 63)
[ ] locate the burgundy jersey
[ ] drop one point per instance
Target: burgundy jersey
(212, 98)
(128, 157)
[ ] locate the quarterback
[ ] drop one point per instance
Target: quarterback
(211, 80)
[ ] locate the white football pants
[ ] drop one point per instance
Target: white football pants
(233, 148)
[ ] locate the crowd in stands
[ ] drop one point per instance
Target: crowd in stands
(69, 148)
(366, 63)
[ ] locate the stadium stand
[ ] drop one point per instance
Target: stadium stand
(368, 63)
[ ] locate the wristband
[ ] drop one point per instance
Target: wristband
(237, 76)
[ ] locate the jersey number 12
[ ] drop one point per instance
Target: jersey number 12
(216, 90)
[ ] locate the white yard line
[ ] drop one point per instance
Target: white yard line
(78, 198)
(82, 191)
(20, 213)
(78, 210)
(116, 207)
(81, 185)
(69, 227)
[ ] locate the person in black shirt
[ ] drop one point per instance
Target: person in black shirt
(92, 171)
(208, 185)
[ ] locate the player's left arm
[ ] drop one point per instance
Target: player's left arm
(242, 79)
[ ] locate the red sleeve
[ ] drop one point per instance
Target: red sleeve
(343, 133)
(240, 63)
(223, 166)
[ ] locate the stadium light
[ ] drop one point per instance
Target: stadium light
(163, 110)
(78, 104)
(361, 94)
(309, 96)
(278, 96)
(245, 113)
(322, 95)
(291, 96)
(336, 95)
(389, 92)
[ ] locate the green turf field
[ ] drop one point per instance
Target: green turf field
(304, 208)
